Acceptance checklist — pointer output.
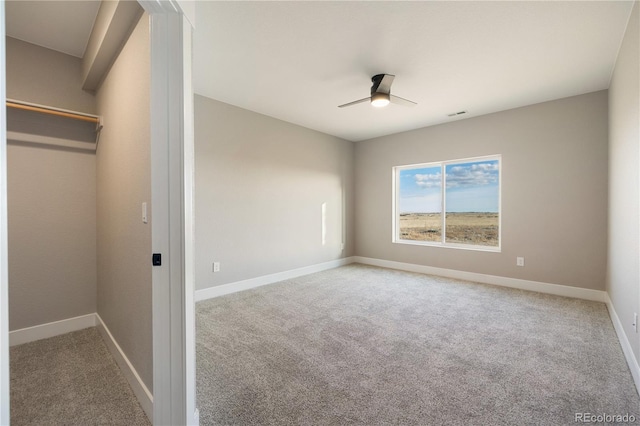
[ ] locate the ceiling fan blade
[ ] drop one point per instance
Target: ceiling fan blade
(359, 101)
(385, 84)
(401, 101)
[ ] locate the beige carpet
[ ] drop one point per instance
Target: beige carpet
(360, 345)
(70, 380)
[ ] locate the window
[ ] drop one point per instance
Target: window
(467, 191)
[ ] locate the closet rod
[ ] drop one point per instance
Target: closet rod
(11, 103)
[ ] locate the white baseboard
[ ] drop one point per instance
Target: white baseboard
(137, 385)
(624, 342)
(51, 329)
(540, 287)
(221, 290)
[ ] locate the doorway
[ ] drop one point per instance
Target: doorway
(169, 382)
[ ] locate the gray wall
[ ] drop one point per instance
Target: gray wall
(47, 77)
(52, 235)
(124, 183)
(259, 188)
(623, 275)
(554, 190)
(51, 198)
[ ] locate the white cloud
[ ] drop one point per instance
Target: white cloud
(431, 180)
(477, 174)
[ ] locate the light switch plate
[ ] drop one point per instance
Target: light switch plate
(145, 218)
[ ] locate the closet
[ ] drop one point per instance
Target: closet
(52, 214)
(78, 173)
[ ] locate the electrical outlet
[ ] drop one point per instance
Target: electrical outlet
(216, 266)
(635, 322)
(519, 261)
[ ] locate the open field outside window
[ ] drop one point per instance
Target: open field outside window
(467, 191)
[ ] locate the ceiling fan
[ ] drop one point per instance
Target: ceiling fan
(381, 93)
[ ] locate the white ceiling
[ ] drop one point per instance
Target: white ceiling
(64, 26)
(297, 61)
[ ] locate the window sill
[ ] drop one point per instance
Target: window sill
(449, 246)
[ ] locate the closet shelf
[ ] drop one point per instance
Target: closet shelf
(44, 109)
(11, 103)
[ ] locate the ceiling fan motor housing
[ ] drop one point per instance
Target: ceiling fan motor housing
(375, 88)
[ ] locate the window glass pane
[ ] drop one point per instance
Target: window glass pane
(472, 203)
(420, 204)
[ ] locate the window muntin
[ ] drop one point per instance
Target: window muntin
(467, 191)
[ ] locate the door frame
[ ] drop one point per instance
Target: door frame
(172, 228)
(5, 418)
(172, 170)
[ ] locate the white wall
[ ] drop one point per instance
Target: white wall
(260, 186)
(124, 183)
(554, 190)
(623, 272)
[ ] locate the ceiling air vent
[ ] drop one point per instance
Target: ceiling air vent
(454, 114)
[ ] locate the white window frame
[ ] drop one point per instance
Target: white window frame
(395, 226)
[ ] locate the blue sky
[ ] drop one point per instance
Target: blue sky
(471, 187)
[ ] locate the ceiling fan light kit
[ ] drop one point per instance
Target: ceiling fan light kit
(379, 100)
(381, 93)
